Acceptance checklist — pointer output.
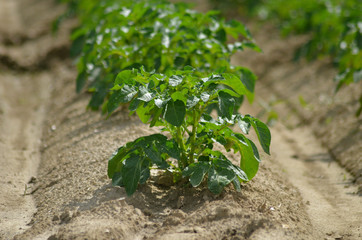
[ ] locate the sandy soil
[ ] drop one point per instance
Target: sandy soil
(24, 94)
(46, 133)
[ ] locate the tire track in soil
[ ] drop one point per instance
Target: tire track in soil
(22, 111)
(23, 99)
(332, 204)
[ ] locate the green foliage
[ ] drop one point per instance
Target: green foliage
(171, 65)
(177, 102)
(119, 35)
(243, 7)
(335, 27)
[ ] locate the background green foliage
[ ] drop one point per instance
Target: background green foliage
(335, 27)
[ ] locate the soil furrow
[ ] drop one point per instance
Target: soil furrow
(24, 95)
(23, 101)
(332, 203)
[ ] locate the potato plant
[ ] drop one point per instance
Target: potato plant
(171, 65)
(177, 102)
(119, 35)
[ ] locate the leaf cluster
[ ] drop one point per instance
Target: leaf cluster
(118, 35)
(178, 102)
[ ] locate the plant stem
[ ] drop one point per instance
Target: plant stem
(200, 151)
(193, 136)
(183, 162)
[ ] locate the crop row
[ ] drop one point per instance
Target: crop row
(335, 28)
(171, 65)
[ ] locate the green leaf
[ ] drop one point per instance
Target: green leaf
(121, 96)
(205, 96)
(221, 35)
(179, 61)
(144, 94)
(124, 77)
(252, 46)
(219, 177)
(230, 92)
(145, 171)
(117, 179)
(196, 171)
(226, 104)
(156, 117)
(179, 96)
(255, 150)
(114, 161)
(175, 112)
(160, 103)
(98, 97)
(77, 46)
(192, 102)
(262, 132)
(244, 126)
(134, 105)
(171, 148)
(248, 79)
(234, 83)
(143, 113)
(189, 68)
(131, 173)
(236, 184)
(128, 92)
(155, 157)
(81, 80)
(235, 28)
(241, 175)
(220, 139)
(175, 80)
(249, 164)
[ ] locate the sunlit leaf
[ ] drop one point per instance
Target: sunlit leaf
(175, 112)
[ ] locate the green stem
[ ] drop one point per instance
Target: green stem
(200, 151)
(193, 136)
(183, 162)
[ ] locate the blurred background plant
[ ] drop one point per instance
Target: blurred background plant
(334, 26)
